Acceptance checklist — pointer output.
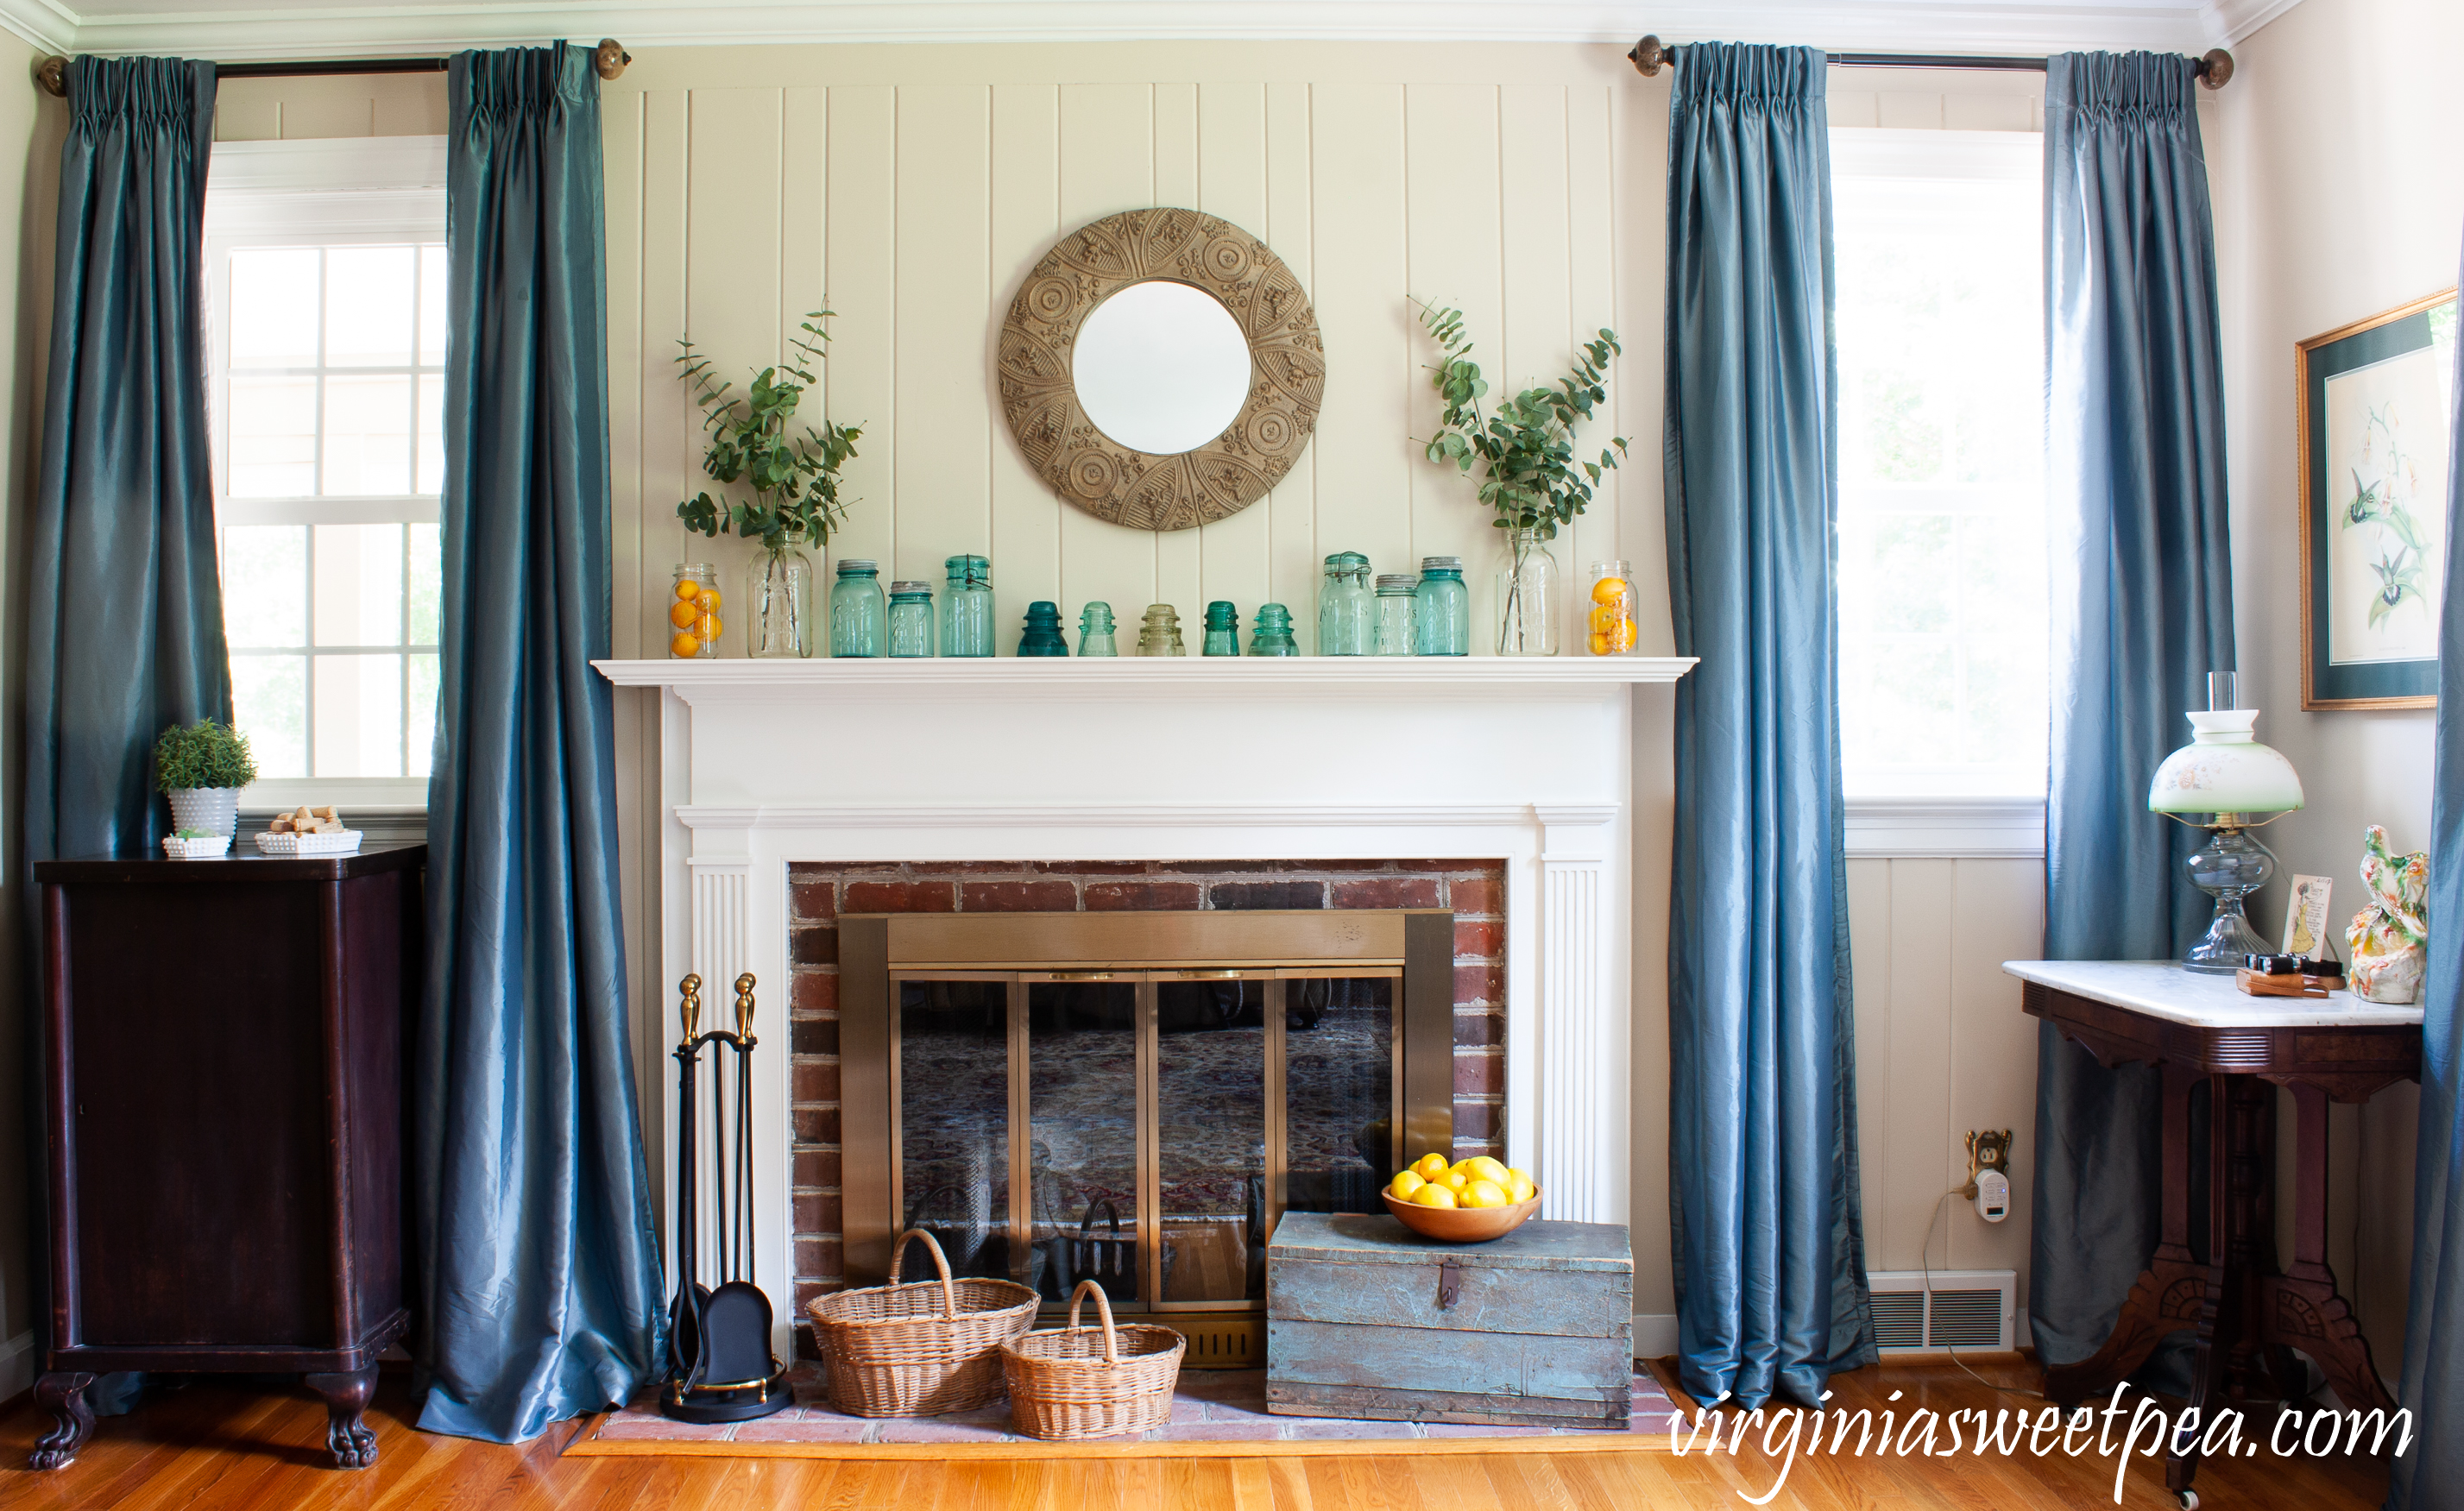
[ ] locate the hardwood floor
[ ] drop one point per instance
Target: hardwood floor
(213, 1446)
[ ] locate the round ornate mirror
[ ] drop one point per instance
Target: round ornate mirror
(1161, 368)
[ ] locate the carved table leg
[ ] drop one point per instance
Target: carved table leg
(62, 1394)
(2301, 1307)
(346, 1402)
(2168, 1293)
(2220, 1316)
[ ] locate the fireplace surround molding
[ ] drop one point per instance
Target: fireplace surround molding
(763, 764)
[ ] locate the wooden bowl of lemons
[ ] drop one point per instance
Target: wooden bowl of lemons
(1470, 1202)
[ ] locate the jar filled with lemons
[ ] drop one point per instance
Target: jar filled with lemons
(1612, 609)
(693, 624)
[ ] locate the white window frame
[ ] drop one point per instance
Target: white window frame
(370, 190)
(1941, 825)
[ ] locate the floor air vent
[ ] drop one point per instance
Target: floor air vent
(1966, 1309)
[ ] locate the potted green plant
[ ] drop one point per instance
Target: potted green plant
(1529, 474)
(201, 767)
(794, 480)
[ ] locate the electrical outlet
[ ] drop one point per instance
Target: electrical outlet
(1987, 1148)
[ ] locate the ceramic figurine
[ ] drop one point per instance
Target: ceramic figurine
(2386, 941)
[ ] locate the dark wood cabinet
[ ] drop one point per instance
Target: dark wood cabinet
(225, 1052)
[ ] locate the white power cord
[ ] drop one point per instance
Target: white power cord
(1924, 1262)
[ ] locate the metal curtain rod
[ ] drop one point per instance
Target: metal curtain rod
(1651, 55)
(609, 58)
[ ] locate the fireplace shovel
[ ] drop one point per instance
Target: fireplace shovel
(719, 1365)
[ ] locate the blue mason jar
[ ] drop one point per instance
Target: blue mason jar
(1443, 619)
(859, 614)
(1347, 610)
(911, 619)
(1395, 600)
(967, 606)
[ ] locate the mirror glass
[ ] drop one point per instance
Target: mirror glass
(1162, 367)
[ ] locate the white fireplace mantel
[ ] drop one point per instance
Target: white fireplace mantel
(766, 763)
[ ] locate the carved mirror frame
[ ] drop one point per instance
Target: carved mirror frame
(1140, 489)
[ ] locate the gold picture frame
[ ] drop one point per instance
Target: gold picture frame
(2360, 391)
(1140, 489)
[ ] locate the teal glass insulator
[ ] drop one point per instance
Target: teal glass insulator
(967, 606)
(1397, 597)
(1095, 630)
(859, 613)
(1223, 630)
(911, 619)
(1273, 634)
(1442, 620)
(1347, 610)
(1042, 636)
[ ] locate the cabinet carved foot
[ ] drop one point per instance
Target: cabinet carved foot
(62, 1394)
(347, 1397)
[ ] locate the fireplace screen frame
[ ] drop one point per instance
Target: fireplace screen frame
(1415, 947)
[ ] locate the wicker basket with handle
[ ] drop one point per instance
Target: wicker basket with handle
(1076, 1382)
(919, 1350)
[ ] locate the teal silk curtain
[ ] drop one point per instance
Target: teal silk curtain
(2142, 600)
(539, 1274)
(2434, 1363)
(124, 615)
(1769, 1241)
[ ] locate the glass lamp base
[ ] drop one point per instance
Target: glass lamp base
(2220, 949)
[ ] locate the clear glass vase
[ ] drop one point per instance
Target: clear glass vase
(779, 595)
(1527, 598)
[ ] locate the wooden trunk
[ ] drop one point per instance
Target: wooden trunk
(1367, 1319)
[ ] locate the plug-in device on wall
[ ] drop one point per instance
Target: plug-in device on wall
(1988, 1183)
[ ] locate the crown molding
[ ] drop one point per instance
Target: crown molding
(2229, 21)
(1934, 26)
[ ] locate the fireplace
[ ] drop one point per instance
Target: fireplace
(1136, 1097)
(751, 773)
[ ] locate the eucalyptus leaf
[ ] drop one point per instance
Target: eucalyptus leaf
(794, 479)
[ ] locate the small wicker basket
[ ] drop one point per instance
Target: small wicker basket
(1076, 1382)
(919, 1350)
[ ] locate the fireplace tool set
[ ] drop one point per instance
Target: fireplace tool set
(719, 1365)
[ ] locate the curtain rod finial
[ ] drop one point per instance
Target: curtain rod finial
(52, 74)
(2216, 68)
(1650, 56)
(612, 59)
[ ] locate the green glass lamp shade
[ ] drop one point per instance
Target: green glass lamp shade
(2223, 770)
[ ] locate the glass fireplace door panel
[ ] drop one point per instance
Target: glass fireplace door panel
(954, 1123)
(1083, 1110)
(1339, 1083)
(1211, 1135)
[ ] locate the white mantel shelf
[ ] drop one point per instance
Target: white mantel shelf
(1097, 674)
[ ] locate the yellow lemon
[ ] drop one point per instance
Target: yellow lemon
(1457, 1181)
(1605, 619)
(1522, 1190)
(1608, 590)
(1405, 1183)
(709, 627)
(1517, 1173)
(1483, 1168)
(710, 599)
(1599, 645)
(1432, 1195)
(682, 615)
(1429, 1167)
(685, 645)
(688, 589)
(1485, 1194)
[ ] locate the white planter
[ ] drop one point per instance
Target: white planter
(212, 809)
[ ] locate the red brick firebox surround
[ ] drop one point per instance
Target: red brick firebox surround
(820, 892)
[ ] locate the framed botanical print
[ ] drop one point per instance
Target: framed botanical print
(2376, 400)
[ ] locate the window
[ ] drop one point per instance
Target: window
(1942, 643)
(326, 312)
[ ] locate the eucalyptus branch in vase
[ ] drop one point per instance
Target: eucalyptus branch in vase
(793, 479)
(1524, 452)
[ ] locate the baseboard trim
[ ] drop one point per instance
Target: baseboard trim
(19, 1357)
